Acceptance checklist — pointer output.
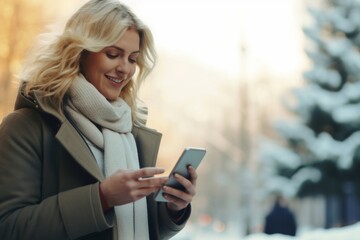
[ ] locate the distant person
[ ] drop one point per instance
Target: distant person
(280, 219)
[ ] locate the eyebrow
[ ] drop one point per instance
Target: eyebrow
(122, 50)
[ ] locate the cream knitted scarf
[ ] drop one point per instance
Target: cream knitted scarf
(108, 126)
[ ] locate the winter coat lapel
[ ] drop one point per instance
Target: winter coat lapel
(76, 146)
(70, 138)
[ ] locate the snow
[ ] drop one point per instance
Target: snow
(325, 99)
(346, 233)
(336, 103)
(342, 23)
(351, 232)
(275, 154)
(289, 187)
(347, 150)
(351, 60)
(317, 56)
(347, 114)
(280, 184)
(351, 90)
(337, 47)
(305, 174)
(324, 76)
(294, 130)
(325, 147)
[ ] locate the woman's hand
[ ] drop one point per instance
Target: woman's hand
(127, 186)
(177, 199)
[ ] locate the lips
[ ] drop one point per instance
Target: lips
(114, 79)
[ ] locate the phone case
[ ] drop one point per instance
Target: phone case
(190, 156)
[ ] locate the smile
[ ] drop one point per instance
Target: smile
(116, 80)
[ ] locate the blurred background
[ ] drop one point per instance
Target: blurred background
(270, 87)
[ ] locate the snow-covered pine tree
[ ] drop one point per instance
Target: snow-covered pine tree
(320, 151)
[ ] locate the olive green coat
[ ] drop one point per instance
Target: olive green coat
(49, 179)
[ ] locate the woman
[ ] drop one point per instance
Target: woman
(76, 159)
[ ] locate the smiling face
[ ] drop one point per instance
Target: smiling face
(112, 68)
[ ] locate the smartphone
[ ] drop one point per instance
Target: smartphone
(190, 156)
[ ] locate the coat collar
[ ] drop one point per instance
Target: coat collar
(72, 141)
(66, 133)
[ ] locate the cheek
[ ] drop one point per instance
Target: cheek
(131, 72)
(94, 65)
(130, 76)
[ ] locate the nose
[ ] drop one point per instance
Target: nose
(123, 67)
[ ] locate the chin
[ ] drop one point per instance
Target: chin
(111, 99)
(111, 96)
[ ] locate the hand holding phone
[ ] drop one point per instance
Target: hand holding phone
(190, 156)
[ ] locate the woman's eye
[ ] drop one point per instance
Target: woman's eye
(132, 60)
(111, 55)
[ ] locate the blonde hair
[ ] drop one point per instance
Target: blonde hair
(96, 25)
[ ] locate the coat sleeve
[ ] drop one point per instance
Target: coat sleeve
(161, 225)
(168, 227)
(23, 213)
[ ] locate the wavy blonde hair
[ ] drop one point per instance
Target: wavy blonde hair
(96, 25)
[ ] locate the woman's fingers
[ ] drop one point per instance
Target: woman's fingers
(193, 175)
(178, 194)
(126, 186)
(154, 182)
(147, 172)
(179, 199)
(145, 178)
